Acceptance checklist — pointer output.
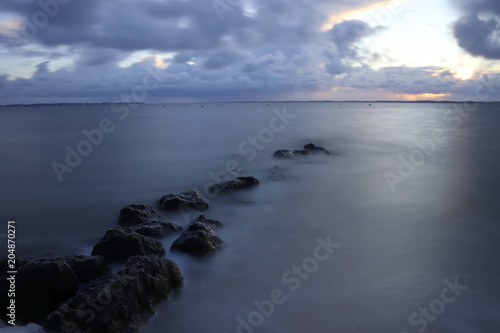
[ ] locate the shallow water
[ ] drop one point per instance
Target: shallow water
(397, 249)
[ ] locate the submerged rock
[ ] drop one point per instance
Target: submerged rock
(137, 214)
(118, 244)
(236, 184)
(40, 286)
(156, 229)
(191, 199)
(209, 222)
(199, 240)
(121, 302)
(311, 147)
(286, 153)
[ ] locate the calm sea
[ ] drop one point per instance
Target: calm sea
(397, 231)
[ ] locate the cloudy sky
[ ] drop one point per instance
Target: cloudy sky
(246, 50)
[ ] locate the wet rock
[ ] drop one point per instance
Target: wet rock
(236, 184)
(120, 302)
(137, 214)
(118, 244)
(191, 199)
(212, 223)
(198, 240)
(286, 153)
(87, 268)
(312, 148)
(157, 229)
(40, 286)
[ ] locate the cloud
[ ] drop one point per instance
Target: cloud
(478, 37)
(477, 33)
(263, 49)
(346, 33)
(222, 58)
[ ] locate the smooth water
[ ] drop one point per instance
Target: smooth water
(398, 248)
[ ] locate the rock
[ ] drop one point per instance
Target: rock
(137, 214)
(285, 153)
(87, 268)
(156, 229)
(191, 199)
(236, 184)
(40, 286)
(120, 302)
(312, 148)
(199, 239)
(118, 244)
(209, 222)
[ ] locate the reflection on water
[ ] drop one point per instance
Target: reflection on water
(396, 247)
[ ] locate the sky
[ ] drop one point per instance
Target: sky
(161, 51)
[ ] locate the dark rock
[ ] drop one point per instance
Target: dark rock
(209, 222)
(191, 199)
(137, 214)
(156, 229)
(199, 239)
(118, 244)
(311, 147)
(285, 153)
(236, 184)
(87, 268)
(40, 286)
(121, 302)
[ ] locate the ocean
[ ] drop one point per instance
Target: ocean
(396, 231)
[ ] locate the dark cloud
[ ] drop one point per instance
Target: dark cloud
(344, 56)
(476, 34)
(346, 33)
(478, 37)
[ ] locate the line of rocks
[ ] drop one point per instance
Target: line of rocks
(82, 294)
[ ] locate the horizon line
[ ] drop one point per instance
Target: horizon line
(272, 101)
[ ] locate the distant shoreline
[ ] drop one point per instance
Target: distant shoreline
(235, 102)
